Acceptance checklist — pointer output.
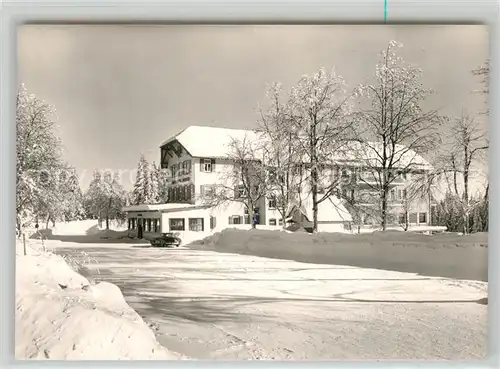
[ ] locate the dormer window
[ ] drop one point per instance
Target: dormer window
(207, 165)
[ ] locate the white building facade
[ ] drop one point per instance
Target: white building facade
(197, 160)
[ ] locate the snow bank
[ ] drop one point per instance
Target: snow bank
(60, 316)
(86, 231)
(445, 255)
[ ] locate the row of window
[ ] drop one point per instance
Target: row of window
(179, 224)
(175, 224)
(246, 219)
(194, 224)
(412, 218)
(184, 168)
(181, 169)
(367, 197)
(148, 225)
(181, 194)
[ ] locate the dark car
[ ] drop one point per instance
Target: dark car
(166, 240)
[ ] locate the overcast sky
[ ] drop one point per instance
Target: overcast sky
(120, 91)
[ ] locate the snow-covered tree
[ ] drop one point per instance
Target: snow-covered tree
(113, 197)
(163, 185)
(154, 196)
(105, 197)
(92, 199)
(73, 195)
(244, 182)
(468, 146)
(38, 158)
(281, 154)
(394, 126)
(319, 107)
(142, 186)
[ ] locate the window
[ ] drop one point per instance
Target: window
(280, 222)
(272, 202)
(402, 218)
(404, 194)
(177, 224)
(239, 192)
(235, 219)
(422, 218)
(400, 194)
(193, 195)
(196, 224)
(393, 195)
(186, 167)
(207, 191)
(133, 223)
(213, 222)
(174, 171)
(182, 193)
(345, 175)
(206, 165)
(272, 222)
(271, 175)
(281, 179)
(413, 218)
(157, 225)
(344, 193)
(129, 223)
(256, 189)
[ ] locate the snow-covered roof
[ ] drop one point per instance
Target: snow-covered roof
(210, 142)
(215, 142)
(368, 153)
(161, 207)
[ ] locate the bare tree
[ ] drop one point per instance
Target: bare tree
(469, 144)
(281, 154)
(483, 71)
(242, 181)
(361, 203)
(319, 108)
(395, 129)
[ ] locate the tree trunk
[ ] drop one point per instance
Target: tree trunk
(315, 205)
(466, 198)
(314, 176)
(107, 213)
(47, 222)
(383, 199)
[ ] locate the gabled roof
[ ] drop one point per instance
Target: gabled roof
(369, 153)
(210, 142)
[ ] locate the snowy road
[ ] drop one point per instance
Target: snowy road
(210, 305)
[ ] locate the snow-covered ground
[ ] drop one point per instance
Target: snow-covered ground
(441, 255)
(60, 315)
(207, 303)
(210, 305)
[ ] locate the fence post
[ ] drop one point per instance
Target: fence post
(24, 244)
